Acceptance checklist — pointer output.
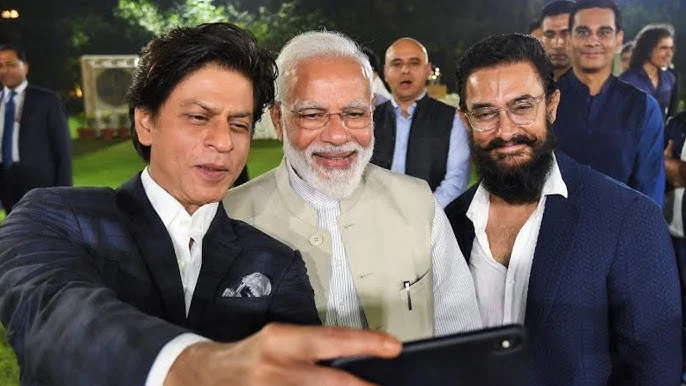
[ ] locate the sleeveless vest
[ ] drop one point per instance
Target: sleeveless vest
(428, 143)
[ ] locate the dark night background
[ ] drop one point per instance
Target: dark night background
(45, 29)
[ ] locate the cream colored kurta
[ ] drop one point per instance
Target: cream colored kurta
(386, 231)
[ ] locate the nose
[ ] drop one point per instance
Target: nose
(334, 132)
(558, 41)
(219, 136)
(506, 127)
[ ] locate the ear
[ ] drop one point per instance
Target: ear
(275, 114)
(619, 42)
(428, 68)
(551, 106)
(143, 124)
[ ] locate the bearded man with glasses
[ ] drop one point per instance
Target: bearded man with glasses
(604, 122)
(377, 245)
(584, 262)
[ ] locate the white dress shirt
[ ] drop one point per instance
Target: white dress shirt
(502, 291)
(452, 286)
(182, 227)
(18, 105)
(676, 225)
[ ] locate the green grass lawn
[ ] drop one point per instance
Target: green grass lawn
(100, 163)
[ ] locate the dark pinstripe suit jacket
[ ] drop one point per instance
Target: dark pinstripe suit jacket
(90, 287)
(603, 305)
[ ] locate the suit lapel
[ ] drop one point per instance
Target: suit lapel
(558, 230)
(155, 247)
(219, 251)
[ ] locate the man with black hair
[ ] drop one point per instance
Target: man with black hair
(140, 285)
(36, 147)
(555, 27)
(603, 122)
(379, 90)
(584, 262)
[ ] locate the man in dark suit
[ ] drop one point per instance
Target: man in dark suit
(584, 262)
(36, 147)
(128, 286)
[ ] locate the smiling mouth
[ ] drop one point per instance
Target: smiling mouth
(338, 160)
(212, 172)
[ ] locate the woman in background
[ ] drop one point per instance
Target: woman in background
(652, 55)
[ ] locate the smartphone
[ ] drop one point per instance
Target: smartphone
(490, 357)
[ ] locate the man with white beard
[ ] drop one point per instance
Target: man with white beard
(378, 247)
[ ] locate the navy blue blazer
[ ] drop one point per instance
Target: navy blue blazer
(604, 304)
(45, 157)
(90, 289)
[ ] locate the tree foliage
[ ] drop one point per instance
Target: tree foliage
(271, 28)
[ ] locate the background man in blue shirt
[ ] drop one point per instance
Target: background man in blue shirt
(416, 134)
(603, 122)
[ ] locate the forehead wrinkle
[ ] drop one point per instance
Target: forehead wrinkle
(498, 82)
(302, 105)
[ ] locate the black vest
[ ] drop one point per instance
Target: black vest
(428, 144)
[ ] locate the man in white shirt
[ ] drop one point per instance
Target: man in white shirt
(377, 245)
(140, 285)
(584, 262)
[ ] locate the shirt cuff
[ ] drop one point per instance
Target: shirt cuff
(165, 359)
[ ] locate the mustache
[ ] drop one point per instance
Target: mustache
(325, 148)
(517, 140)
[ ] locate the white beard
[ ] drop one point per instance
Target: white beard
(334, 183)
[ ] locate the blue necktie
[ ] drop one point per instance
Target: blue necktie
(8, 131)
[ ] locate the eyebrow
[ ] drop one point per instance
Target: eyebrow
(410, 59)
(306, 105)
(200, 104)
(513, 100)
(355, 104)
(215, 111)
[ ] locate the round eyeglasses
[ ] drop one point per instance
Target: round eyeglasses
(353, 119)
(522, 112)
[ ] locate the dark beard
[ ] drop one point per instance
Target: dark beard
(518, 184)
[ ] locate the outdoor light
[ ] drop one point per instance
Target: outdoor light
(9, 14)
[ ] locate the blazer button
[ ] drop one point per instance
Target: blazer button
(316, 239)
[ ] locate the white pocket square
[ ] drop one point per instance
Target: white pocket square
(254, 285)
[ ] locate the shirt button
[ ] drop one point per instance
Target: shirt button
(316, 239)
(338, 264)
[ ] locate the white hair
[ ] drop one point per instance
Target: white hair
(317, 44)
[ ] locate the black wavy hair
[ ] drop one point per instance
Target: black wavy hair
(505, 49)
(646, 40)
(373, 59)
(557, 7)
(171, 57)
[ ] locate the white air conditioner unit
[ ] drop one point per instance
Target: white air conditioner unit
(106, 78)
